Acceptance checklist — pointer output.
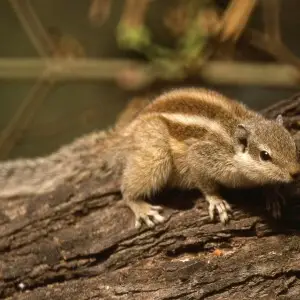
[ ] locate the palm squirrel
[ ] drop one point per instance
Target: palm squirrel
(196, 138)
(186, 138)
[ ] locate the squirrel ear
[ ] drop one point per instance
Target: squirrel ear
(242, 135)
(279, 119)
(242, 131)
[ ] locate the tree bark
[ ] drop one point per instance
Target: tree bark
(80, 243)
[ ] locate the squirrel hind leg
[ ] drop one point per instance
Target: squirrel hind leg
(145, 212)
(141, 180)
(147, 170)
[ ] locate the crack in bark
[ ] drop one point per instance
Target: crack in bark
(248, 279)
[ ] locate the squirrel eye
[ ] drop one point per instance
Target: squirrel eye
(264, 155)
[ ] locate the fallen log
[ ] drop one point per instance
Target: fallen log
(79, 242)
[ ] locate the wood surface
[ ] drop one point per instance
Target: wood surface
(80, 243)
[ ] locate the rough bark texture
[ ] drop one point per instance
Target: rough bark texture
(80, 243)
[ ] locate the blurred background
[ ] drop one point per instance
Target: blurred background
(70, 67)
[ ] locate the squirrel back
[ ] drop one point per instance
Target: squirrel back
(260, 150)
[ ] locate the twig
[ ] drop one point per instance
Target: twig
(271, 9)
(235, 19)
(32, 26)
(39, 91)
(60, 69)
(23, 116)
(134, 12)
(217, 72)
(251, 74)
(99, 11)
(270, 41)
(275, 48)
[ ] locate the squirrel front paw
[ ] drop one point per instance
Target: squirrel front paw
(146, 213)
(274, 203)
(274, 207)
(219, 205)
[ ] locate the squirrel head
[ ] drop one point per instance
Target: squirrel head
(265, 152)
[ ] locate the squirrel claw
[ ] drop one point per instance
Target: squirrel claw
(148, 222)
(157, 218)
(274, 203)
(151, 219)
(137, 224)
(219, 205)
(146, 213)
(274, 207)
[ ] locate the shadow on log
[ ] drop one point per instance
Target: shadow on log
(80, 243)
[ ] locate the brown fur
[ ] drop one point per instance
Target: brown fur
(182, 132)
(131, 111)
(201, 102)
(188, 138)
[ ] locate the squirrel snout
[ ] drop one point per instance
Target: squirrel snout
(295, 174)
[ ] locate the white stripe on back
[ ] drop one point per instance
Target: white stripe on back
(194, 120)
(183, 119)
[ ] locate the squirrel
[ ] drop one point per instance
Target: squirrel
(185, 138)
(197, 138)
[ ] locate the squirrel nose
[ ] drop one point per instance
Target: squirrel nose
(295, 174)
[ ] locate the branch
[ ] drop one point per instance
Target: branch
(271, 9)
(44, 46)
(89, 69)
(250, 74)
(33, 27)
(274, 47)
(99, 11)
(134, 12)
(61, 69)
(23, 116)
(235, 19)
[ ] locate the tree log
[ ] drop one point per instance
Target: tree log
(79, 242)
